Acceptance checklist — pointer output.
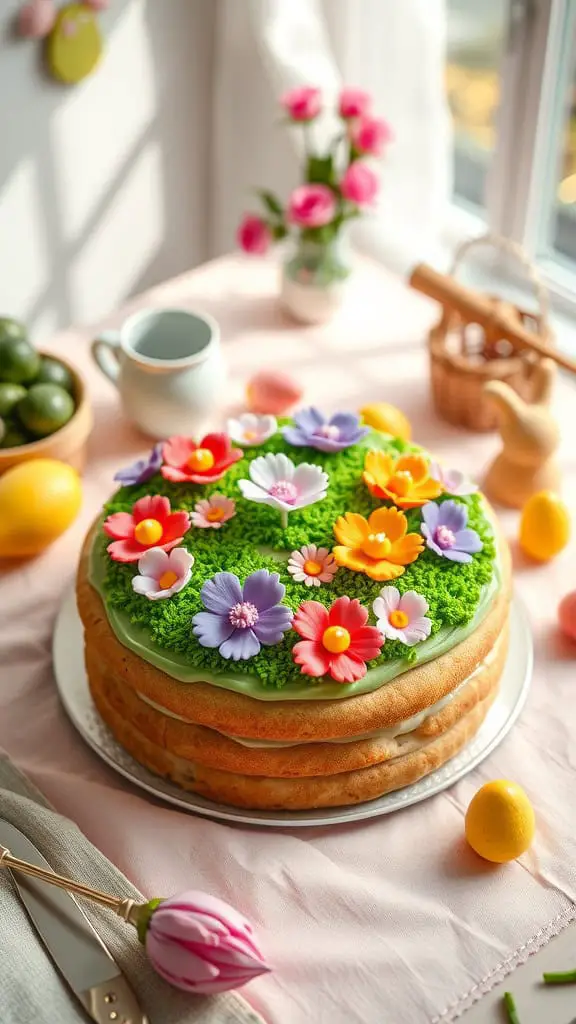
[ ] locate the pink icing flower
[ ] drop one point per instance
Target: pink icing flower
(251, 429)
(202, 463)
(212, 512)
(335, 641)
(359, 184)
(254, 235)
(312, 565)
(200, 943)
(354, 102)
(163, 573)
(312, 206)
(302, 104)
(370, 135)
(402, 618)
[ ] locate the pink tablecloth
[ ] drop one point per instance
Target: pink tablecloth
(391, 920)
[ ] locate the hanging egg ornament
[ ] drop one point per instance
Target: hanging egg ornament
(567, 615)
(544, 526)
(74, 46)
(36, 19)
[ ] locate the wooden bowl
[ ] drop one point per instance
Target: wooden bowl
(67, 444)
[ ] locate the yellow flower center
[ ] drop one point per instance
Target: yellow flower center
(336, 639)
(167, 579)
(250, 435)
(312, 568)
(376, 545)
(398, 619)
(215, 515)
(148, 532)
(401, 483)
(201, 460)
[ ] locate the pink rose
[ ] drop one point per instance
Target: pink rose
(254, 235)
(371, 134)
(354, 102)
(302, 104)
(359, 184)
(200, 943)
(311, 206)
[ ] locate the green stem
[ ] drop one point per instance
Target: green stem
(283, 518)
(510, 1005)
(559, 977)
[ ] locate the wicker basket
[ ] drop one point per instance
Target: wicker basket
(464, 356)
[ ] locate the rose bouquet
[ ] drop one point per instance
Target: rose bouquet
(338, 186)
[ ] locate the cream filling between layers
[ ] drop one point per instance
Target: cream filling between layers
(392, 732)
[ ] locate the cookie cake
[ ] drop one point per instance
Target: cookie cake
(293, 615)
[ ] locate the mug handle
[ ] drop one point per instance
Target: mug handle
(106, 354)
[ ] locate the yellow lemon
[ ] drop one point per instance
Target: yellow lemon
(388, 419)
(500, 821)
(39, 500)
(544, 526)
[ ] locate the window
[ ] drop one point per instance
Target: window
(511, 87)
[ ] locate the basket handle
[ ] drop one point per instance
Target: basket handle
(511, 249)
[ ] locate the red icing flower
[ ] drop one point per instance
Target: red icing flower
(337, 641)
(151, 524)
(186, 462)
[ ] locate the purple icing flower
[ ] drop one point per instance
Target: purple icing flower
(141, 470)
(312, 430)
(240, 619)
(444, 527)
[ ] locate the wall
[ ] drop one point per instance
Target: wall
(103, 185)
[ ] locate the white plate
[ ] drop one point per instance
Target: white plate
(68, 651)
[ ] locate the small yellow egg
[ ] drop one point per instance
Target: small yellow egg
(544, 526)
(500, 821)
(387, 418)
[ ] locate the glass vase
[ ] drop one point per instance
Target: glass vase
(314, 278)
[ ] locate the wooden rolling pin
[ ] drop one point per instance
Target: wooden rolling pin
(481, 309)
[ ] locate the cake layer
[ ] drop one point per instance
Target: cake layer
(303, 793)
(289, 721)
(209, 748)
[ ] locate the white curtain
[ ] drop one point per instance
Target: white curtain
(393, 48)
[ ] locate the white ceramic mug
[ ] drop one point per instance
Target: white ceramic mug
(168, 368)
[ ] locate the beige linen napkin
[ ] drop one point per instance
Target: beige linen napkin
(31, 990)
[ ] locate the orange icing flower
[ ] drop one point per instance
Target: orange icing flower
(405, 481)
(378, 546)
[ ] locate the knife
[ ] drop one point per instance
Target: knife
(75, 947)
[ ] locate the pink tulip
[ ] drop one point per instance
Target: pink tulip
(200, 943)
(254, 235)
(302, 104)
(370, 135)
(354, 103)
(359, 184)
(36, 19)
(311, 206)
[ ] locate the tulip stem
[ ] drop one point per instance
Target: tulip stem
(510, 1006)
(559, 977)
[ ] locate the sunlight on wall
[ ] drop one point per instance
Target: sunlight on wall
(97, 128)
(134, 208)
(24, 266)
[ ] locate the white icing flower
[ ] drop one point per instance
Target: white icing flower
(276, 481)
(163, 573)
(453, 480)
(402, 618)
(251, 429)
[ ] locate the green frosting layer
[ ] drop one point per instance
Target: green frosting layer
(160, 631)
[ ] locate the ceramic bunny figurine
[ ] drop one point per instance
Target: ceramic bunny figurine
(530, 437)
